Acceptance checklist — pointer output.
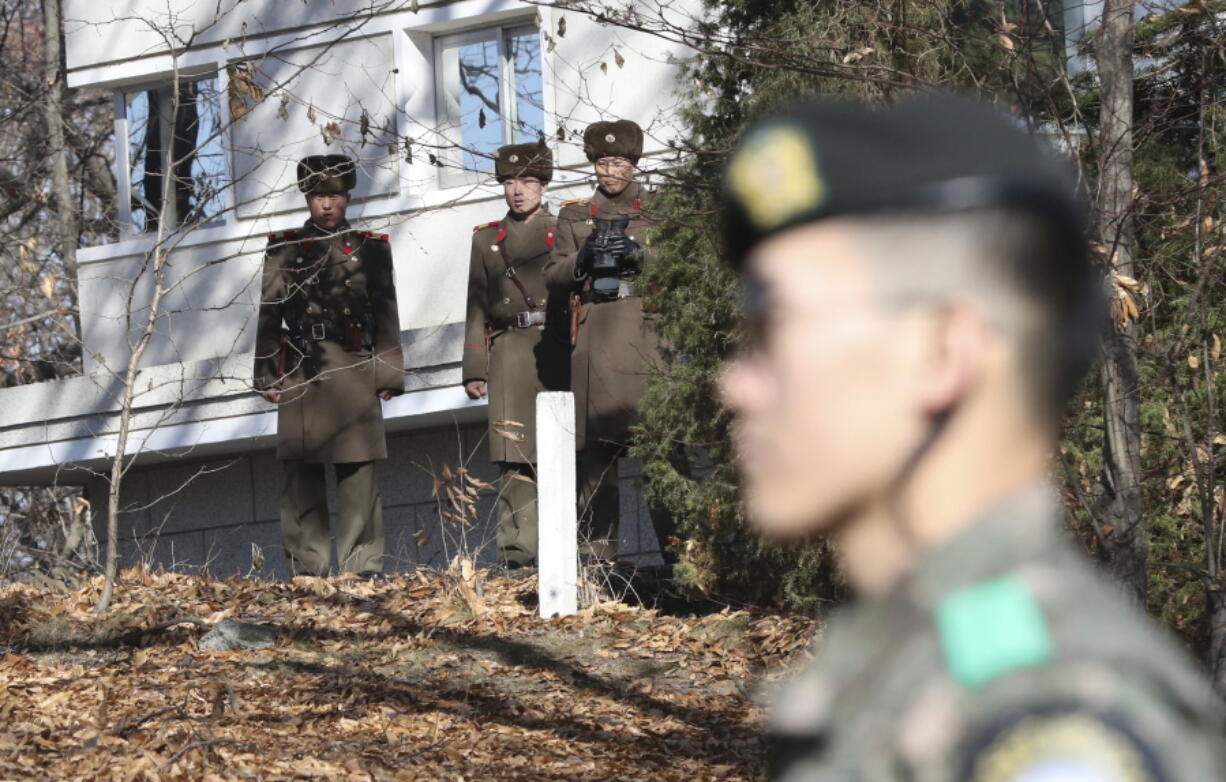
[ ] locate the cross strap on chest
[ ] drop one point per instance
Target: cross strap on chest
(511, 274)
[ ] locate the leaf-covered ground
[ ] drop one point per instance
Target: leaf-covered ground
(413, 677)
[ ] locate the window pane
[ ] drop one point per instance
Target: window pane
(472, 93)
(182, 132)
(524, 53)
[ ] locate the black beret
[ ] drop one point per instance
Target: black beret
(620, 138)
(327, 174)
(931, 153)
(514, 160)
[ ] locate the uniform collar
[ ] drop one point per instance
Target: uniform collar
(309, 228)
(628, 198)
(1020, 528)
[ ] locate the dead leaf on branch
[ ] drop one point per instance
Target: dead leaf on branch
(856, 55)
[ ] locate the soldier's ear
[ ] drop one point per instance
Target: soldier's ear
(953, 354)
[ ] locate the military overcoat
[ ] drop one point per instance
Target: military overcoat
(515, 362)
(617, 348)
(1003, 657)
(315, 282)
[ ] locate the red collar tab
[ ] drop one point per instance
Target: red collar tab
(502, 233)
(637, 205)
(592, 209)
(549, 238)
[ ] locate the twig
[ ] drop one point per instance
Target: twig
(202, 744)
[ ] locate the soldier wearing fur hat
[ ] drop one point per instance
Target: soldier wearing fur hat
(921, 307)
(509, 355)
(327, 352)
(602, 246)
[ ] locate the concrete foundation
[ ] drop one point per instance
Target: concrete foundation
(220, 515)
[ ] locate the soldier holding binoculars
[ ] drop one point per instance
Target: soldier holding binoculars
(601, 248)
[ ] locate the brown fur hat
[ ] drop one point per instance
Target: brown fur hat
(620, 138)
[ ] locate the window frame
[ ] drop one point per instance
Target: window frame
(452, 172)
(127, 228)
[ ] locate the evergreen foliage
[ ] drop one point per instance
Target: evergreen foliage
(763, 53)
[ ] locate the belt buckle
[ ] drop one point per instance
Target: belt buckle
(523, 320)
(319, 332)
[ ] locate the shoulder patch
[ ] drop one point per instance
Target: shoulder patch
(989, 629)
(376, 237)
(575, 201)
(1046, 744)
(490, 224)
(283, 236)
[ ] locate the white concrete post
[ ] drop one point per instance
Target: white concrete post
(558, 548)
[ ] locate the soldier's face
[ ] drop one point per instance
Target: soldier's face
(822, 389)
(523, 194)
(328, 209)
(614, 174)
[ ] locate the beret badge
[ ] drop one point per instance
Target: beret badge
(775, 177)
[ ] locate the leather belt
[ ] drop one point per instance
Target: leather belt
(321, 331)
(521, 320)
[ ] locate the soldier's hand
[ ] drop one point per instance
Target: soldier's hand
(272, 395)
(385, 394)
(475, 389)
(583, 261)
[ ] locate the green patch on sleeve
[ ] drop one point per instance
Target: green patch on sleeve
(990, 629)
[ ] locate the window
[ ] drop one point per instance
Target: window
(177, 131)
(491, 91)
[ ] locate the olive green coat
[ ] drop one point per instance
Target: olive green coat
(1004, 656)
(329, 412)
(516, 363)
(617, 347)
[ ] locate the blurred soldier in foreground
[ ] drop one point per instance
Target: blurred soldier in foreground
(920, 307)
(327, 350)
(507, 354)
(600, 251)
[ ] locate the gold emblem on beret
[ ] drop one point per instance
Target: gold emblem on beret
(609, 137)
(775, 177)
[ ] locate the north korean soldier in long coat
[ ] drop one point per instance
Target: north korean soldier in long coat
(508, 355)
(327, 352)
(602, 246)
(921, 306)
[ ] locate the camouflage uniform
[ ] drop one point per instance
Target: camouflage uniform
(1004, 658)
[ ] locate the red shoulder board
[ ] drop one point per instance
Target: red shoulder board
(377, 237)
(502, 232)
(549, 238)
(484, 225)
(279, 236)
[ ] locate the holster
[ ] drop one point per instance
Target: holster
(576, 306)
(353, 337)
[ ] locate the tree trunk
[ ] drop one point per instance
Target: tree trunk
(61, 193)
(1121, 509)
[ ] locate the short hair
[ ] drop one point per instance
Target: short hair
(1031, 273)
